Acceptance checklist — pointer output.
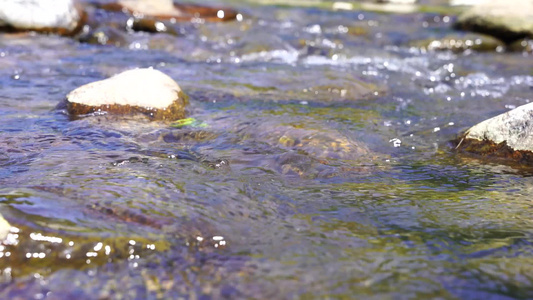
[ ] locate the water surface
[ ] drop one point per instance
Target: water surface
(317, 165)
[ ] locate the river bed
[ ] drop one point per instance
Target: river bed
(316, 165)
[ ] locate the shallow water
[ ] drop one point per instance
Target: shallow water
(317, 165)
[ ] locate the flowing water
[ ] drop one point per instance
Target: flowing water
(316, 165)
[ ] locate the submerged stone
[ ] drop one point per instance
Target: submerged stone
(322, 145)
(524, 45)
(499, 18)
(509, 136)
(54, 16)
(460, 43)
(141, 91)
(105, 35)
(150, 25)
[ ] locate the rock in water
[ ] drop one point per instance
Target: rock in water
(151, 8)
(506, 20)
(509, 135)
(167, 10)
(56, 16)
(141, 91)
(4, 228)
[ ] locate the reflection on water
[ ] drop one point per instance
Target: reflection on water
(315, 165)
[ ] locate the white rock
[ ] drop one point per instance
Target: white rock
(139, 87)
(151, 7)
(467, 2)
(40, 14)
(4, 228)
(397, 1)
(504, 19)
(514, 127)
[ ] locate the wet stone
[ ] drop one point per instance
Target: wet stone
(499, 19)
(167, 10)
(320, 144)
(50, 16)
(150, 25)
(507, 136)
(4, 228)
(146, 92)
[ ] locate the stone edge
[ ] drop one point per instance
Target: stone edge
(174, 111)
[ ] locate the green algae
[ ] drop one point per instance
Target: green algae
(188, 122)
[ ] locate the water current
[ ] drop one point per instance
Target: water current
(316, 164)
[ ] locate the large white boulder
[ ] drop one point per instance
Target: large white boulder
(146, 91)
(62, 16)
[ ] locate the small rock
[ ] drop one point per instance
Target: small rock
(54, 16)
(167, 10)
(151, 8)
(4, 228)
(141, 91)
(509, 136)
(499, 18)
(150, 25)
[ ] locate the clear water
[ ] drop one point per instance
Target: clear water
(318, 166)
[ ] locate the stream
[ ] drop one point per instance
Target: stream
(315, 164)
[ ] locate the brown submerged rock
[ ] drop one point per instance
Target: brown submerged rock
(507, 137)
(150, 25)
(141, 91)
(491, 150)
